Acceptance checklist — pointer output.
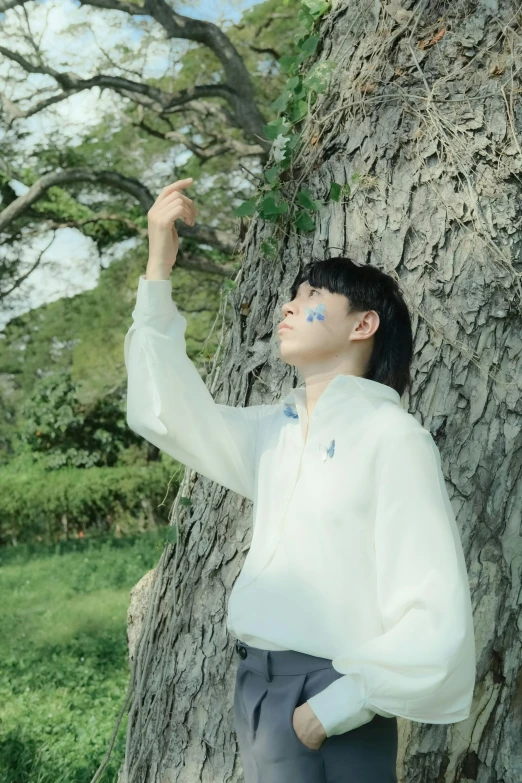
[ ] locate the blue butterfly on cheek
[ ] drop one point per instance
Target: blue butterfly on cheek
(327, 451)
(317, 311)
(291, 412)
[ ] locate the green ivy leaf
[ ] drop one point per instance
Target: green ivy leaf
(298, 111)
(288, 63)
(335, 191)
(303, 221)
(285, 163)
(272, 174)
(270, 247)
(269, 206)
(309, 45)
(305, 18)
(300, 92)
(304, 198)
(170, 534)
(299, 37)
(318, 76)
(295, 138)
(271, 132)
(293, 82)
(280, 103)
(271, 218)
(244, 209)
(316, 7)
(274, 128)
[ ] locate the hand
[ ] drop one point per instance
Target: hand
(163, 236)
(308, 727)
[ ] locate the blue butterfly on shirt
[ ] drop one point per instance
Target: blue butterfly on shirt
(325, 451)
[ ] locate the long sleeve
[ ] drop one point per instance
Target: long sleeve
(169, 404)
(422, 667)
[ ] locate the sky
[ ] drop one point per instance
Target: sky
(71, 262)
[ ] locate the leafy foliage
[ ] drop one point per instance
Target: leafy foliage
(70, 433)
(49, 507)
(299, 93)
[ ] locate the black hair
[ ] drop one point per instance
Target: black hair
(368, 288)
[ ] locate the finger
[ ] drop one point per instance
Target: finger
(186, 201)
(174, 187)
(166, 209)
(174, 198)
(165, 218)
(176, 195)
(174, 212)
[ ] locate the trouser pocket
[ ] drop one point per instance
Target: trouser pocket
(302, 696)
(269, 709)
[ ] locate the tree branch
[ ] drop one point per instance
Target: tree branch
(187, 259)
(236, 88)
(5, 5)
(237, 84)
(265, 50)
(221, 240)
(208, 152)
(141, 93)
(19, 280)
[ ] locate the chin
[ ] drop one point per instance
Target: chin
(286, 355)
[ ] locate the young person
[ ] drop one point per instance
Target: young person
(353, 605)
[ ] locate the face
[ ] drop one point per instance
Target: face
(323, 336)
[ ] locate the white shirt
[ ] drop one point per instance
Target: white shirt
(355, 553)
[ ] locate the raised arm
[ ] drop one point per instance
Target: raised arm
(168, 402)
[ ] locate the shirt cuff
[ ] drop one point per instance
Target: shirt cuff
(154, 297)
(341, 706)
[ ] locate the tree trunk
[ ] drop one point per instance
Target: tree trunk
(421, 106)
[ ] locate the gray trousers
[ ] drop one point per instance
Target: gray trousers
(270, 684)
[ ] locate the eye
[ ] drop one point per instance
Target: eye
(314, 289)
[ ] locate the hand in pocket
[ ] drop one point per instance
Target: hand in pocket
(308, 727)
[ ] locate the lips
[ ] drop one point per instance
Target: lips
(282, 325)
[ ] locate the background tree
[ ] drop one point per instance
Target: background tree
(203, 117)
(64, 431)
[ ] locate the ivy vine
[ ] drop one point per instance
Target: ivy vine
(300, 92)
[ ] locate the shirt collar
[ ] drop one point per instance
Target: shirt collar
(341, 388)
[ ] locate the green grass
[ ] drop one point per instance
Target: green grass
(63, 651)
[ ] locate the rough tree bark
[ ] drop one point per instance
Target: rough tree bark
(422, 105)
